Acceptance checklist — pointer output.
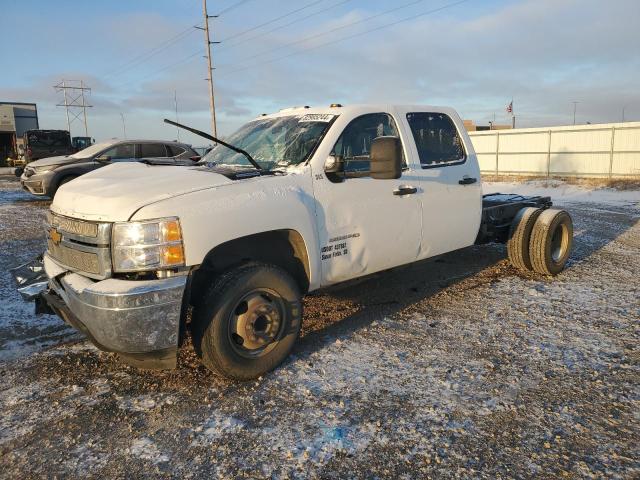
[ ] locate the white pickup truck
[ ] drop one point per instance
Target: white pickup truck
(292, 202)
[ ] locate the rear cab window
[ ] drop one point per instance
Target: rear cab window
(437, 139)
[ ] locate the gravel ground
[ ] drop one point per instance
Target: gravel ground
(455, 367)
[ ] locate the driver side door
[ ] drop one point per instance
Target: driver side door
(364, 224)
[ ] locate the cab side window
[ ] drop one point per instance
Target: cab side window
(121, 152)
(437, 139)
(354, 145)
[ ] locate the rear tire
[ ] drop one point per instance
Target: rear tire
(248, 321)
(520, 236)
(551, 241)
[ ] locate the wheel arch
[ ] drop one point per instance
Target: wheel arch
(285, 248)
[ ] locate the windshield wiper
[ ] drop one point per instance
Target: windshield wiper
(217, 140)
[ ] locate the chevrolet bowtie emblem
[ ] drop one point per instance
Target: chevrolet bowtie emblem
(55, 236)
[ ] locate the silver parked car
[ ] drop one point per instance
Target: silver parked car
(44, 176)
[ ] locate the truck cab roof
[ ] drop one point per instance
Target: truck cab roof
(354, 109)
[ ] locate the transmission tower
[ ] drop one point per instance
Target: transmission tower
(75, 104)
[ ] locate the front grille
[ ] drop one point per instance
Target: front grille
(75, 227)
(75, 259)
(80, 245)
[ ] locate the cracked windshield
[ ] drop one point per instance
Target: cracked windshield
(273, 142)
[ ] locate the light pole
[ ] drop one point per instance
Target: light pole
(623, 109)
(124, 127)
(575, 104)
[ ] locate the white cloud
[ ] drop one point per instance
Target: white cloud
(475, 57)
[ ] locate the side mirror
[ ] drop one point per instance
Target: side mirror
(103, 159)
(334, 164)
(386, 158)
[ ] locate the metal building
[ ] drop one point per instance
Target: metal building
(15, 119)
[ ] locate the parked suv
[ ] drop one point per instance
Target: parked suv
(45, 143)
(44, 177)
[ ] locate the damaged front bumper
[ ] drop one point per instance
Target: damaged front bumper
(140, 320)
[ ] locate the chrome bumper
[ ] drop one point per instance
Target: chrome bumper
(138, 319)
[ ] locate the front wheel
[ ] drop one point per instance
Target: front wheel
(248, 321)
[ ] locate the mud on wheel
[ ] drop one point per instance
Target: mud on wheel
(248, 321)
(551, 241)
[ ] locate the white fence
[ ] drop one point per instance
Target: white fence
(605, 150)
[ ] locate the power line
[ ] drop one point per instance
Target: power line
(166, 67)
(330, 7)
(271, 21)
(387, 25)
(147, 54)
(231, 7)
(184, 60)
(335, 29)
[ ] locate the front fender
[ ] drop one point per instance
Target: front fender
(262, 204)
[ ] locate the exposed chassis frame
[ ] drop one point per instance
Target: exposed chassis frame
(499, 210)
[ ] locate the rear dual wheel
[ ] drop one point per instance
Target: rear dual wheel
(540, 240)
(551, 242)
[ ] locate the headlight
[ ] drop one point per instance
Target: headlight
(44, 168)
(149, 245)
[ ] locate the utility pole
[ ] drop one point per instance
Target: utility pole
(208, 42)
(74, 102)
(575, 104)
(124, 127)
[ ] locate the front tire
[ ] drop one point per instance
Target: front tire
(248, 321)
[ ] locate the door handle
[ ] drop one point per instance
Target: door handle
(467, 181)
(405, 190)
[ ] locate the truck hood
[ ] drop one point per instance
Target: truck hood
(115, 192)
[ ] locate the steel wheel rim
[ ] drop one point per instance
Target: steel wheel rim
(558, 243)
(256, 323)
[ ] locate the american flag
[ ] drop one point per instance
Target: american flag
(510, 107)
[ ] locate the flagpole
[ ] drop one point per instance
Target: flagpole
(513, 115)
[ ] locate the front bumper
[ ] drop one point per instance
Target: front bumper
(138, 319)
(36, 187)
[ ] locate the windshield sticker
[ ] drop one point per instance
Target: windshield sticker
(317, 117)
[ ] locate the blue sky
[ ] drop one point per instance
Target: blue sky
(474, 56)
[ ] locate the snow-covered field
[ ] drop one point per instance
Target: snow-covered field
(455, 367)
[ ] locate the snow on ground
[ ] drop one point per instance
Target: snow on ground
(21, 239)
(563, 193)
(459, 367)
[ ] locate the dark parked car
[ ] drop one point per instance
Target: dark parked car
(43, 177)
(46, 143)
